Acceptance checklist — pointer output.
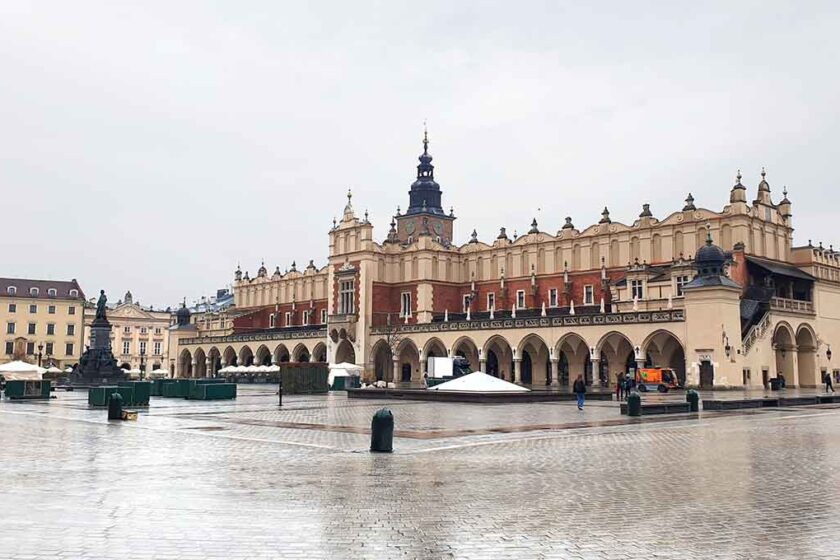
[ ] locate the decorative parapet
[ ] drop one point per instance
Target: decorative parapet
(536, 322)
(278, 334)
(793, 305)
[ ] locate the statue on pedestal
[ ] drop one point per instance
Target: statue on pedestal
(98, 364)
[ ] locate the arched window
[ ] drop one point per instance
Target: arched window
(11, 290)
(34, 291)
(74, 293)
(52, 292)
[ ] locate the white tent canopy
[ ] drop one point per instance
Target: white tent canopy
(479, 382)
(344, 369)
(21, 371)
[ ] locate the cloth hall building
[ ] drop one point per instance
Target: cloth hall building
(722, 296)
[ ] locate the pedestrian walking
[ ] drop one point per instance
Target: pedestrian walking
(579, 388)
(425, 381)
(619, 388)
(828, 384)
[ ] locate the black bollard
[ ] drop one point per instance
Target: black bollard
(280, 390)
(115, 407)
(382, 431)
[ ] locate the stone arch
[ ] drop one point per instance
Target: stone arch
(806, 356)
(301, 353)
(319, 353)
(263, 356)
(185, 363)
(408, 357)
(498, 356)
(663, 349)
(281, 354)
(616, 355)
(434, 348)
(784, 347)
(345, 352)
(466, 348)
(534, 361)
(214, 361)
(246, 356)
(230, 357)
(382, 361)
(200, 359)
(572, 355)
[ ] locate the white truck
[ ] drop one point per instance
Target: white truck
(438, 368)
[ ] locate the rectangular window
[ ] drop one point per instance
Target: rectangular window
(142, 347)
(466, 302)
(552, 297)
(157, 348)
(31, 329)
(10, 348)
(491, 301)
(33, 308)
(520, 299)
(144, 330)
(50, 329)
(10, 328)
(306, 317)
(51, 309)
(126, 347)
(126, 330)
(323, 316)
(637, 289)
(30, 348)
(71, 310)
(681, 282)
(288, 318)
(405, 304)
(71, 329)
(272, 321)
(346, 294)
(49, 349)
(157, 330)
(12, 308)
(68, 349)
(588, 294)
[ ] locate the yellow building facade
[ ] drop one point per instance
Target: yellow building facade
(42, 321)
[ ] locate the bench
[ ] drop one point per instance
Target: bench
(649, 409)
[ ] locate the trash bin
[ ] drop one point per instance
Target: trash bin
(693, 400)
(775, 384)
(382, 431)
(634, 404)
(115, 410)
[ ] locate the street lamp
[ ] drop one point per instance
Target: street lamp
(828, 353)
(40, 350)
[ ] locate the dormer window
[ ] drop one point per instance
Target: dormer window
(34, 291)
(11, 290)
(52, 292)
(74, 293)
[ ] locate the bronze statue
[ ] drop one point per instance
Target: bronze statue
(100, 305)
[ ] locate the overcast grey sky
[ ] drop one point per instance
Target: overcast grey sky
(153, 145)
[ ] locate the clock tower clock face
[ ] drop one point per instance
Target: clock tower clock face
(409, 228)
(438, 228)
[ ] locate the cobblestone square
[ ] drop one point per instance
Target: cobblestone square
(245, 479)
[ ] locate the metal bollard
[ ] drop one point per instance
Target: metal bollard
(693, 400)
(382, 431)
(280, 390)
(115, 407)
(634, 404)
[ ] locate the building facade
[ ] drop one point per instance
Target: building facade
(543, 307)
(42, 321)
(139, 335)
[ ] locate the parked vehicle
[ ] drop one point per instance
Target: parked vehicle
(656, 379)
(440, 368)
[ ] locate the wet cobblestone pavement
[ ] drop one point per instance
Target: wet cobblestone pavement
(244, 479)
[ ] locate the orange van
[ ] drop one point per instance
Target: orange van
(659, 379)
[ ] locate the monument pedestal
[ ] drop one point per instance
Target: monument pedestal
(98, 365)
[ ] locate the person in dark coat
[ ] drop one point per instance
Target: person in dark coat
(619, 387)
(828, 385)
(579, 388)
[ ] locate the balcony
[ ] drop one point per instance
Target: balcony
(792, 305)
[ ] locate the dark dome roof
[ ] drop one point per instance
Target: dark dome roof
(183, 312)
(710, 253)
